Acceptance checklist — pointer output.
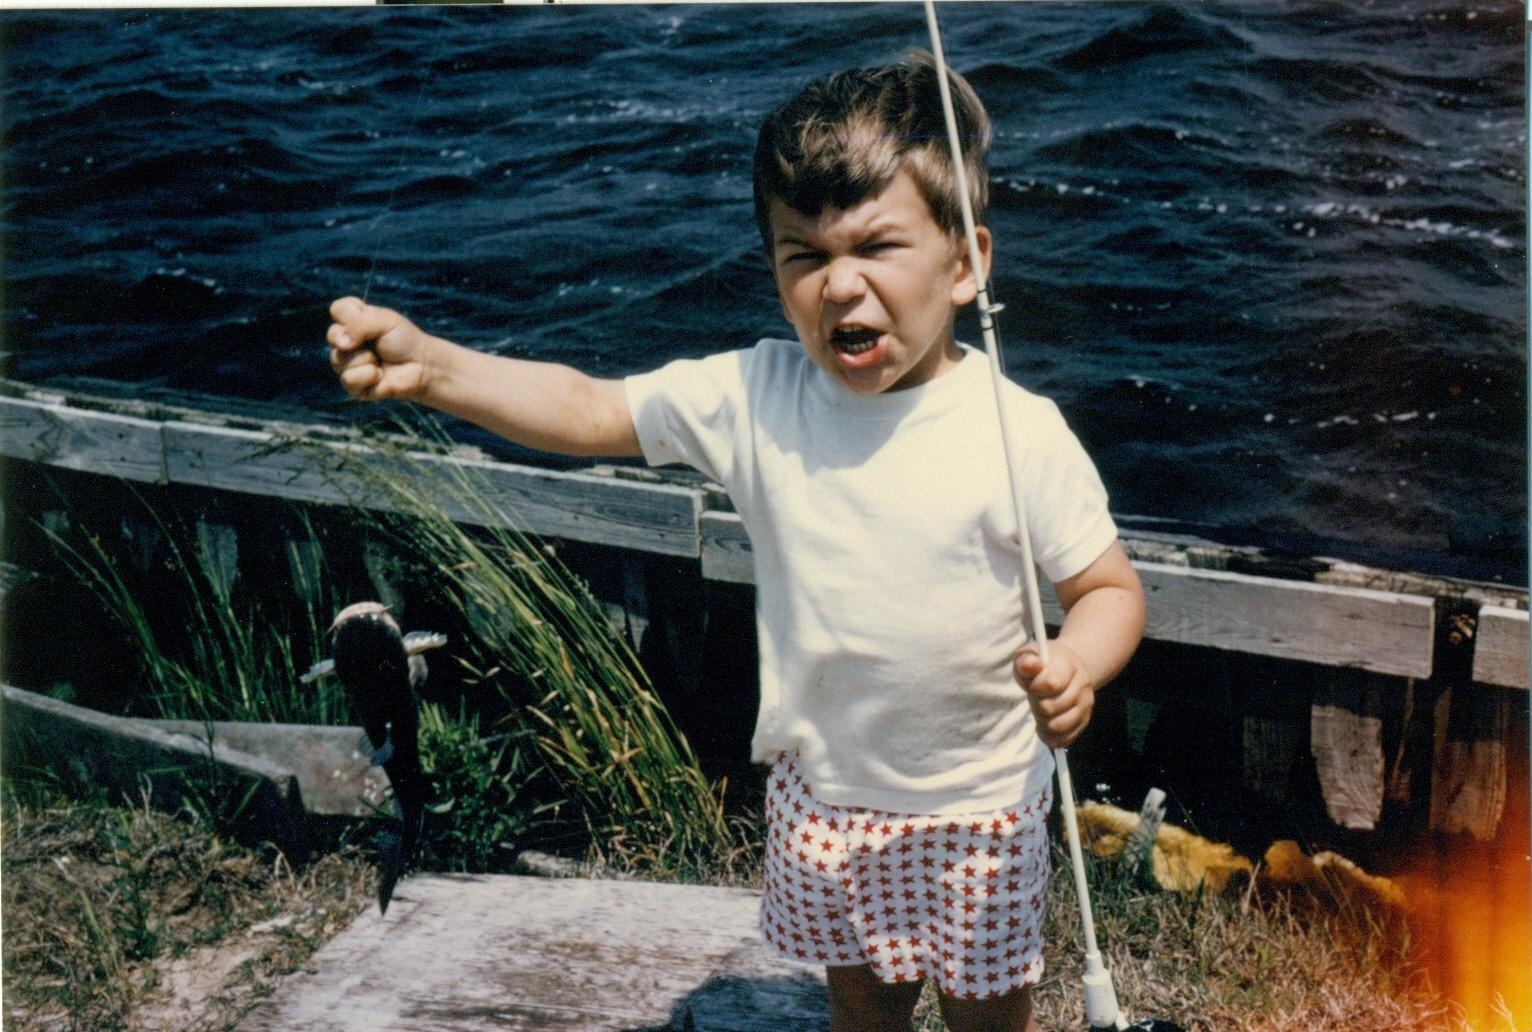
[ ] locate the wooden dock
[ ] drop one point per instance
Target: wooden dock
(464, 953)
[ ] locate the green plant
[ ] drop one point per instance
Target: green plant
(486, 792)
(241, 659)
(537, 637)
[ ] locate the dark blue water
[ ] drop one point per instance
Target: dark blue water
(1270, 258)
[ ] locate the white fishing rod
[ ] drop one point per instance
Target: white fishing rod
(1101, 1008)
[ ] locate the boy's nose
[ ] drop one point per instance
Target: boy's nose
(843, 281)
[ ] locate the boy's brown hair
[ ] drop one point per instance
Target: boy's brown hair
(842, 138)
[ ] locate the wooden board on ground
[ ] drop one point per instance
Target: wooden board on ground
(463, 953)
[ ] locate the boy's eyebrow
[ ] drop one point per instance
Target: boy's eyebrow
(882, 225)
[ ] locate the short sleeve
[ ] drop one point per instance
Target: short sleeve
(689, 411)
(1067, 511)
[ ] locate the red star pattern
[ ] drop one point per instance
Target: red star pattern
(955, 900)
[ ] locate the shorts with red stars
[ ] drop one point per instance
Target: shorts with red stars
(957, 899)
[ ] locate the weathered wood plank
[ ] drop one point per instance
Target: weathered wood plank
(579, 506)
(1500, 647)
(335, 777)
(1317, 623)
(754, 990)
(1468, 776)
(726, 553)
(90, 750)
(1346, 740)
(79, 439)
(1338, 625)
(507, 952)
(1266, 759)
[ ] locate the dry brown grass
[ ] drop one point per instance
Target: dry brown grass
(1249, 960)
(123, 918)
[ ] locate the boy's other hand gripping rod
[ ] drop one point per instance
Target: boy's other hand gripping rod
(1101, 1007)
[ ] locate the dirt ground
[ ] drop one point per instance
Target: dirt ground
(121, 918)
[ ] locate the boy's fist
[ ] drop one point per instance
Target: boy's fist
(377, 352)
(1061, 694)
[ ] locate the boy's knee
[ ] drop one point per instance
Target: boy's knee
(1009, 1013)
(859, 1000)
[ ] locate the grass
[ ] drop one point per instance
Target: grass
(109, 906)
(1257, 960)
(589, 758)
(537, 639)
(231, 658)
(114, 913)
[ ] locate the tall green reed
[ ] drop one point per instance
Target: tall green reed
(224, 656)
(539, 639)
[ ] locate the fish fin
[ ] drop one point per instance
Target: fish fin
(385, 752)
(323, 668)
(419, 641)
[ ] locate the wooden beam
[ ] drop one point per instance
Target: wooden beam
(1346, 625)
(81, 439)
(89, 750)
(1318, 623)
(726, 553)
(1500, 647)
(1468, 777)
(578, 506)
(1358, 628)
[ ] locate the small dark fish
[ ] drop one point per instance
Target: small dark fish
(382, 679)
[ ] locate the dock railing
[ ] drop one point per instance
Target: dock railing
(1200, 593)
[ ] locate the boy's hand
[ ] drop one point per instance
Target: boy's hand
(1062, 695)
(377, 352)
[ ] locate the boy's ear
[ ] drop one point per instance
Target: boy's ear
(965, 288)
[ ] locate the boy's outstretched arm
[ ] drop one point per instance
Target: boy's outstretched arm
(379, 354)
(1103, 623)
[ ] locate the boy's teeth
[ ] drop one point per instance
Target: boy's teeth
(854, 341)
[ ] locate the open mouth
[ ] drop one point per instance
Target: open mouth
(854, 340)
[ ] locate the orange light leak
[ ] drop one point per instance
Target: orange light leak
(1471, 907)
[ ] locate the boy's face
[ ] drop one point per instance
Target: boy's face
(872, 289)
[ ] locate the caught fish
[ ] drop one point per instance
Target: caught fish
(415, 642)
(382, 671)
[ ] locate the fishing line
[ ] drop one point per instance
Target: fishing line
(1101, 1007)
(415, 108)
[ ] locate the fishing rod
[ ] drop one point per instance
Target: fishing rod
(1101, 1008)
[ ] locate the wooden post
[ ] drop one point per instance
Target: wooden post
(1346, 739)
(1270, 746)
(1468, 748)
(1468, 779)
(385, 572)
(218, 553)
(1409, 770)
(635, 600)
(142, 539)
(1272, 695)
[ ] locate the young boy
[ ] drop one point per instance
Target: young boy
(905, 815)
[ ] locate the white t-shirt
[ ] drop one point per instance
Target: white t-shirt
(887, 564)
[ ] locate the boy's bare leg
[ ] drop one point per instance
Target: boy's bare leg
(860, 1002)
(1009, 1013)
